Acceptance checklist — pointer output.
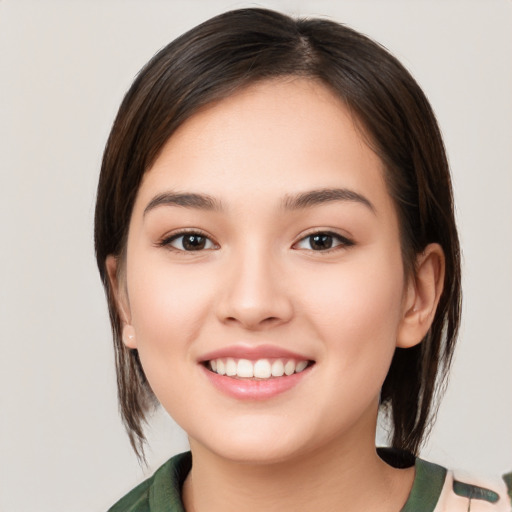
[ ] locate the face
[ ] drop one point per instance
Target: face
(263, 285)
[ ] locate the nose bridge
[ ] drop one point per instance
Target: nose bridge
(255, 294)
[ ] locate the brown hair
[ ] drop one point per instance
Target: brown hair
(244, 46)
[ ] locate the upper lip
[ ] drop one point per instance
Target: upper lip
(253, 352)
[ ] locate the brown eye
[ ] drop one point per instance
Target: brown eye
(189, 242)
(323, 241)
(193, 242)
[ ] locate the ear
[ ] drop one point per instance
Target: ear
(422, 295)
(118, 287)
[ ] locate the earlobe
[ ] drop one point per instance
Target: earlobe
(422, 296)
(129, 336)
(121, 300)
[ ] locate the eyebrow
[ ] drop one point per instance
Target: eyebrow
(296, 202)
(324, 195)
(186, 200)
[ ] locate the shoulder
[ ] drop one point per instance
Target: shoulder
(161, 492)
(436, 489)
(472, 493)
(137, 500)
(459, 491)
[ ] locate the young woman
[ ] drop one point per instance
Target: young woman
(275, 233)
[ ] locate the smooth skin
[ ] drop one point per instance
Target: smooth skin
(248, 271)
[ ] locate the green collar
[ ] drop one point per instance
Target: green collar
(162, 492)
(165, 493)
(427, 487)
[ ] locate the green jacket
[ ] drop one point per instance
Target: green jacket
(434, 490)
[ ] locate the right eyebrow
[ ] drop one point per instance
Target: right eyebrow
(184, 199)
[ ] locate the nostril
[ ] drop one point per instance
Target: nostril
(252, 312)
(250, 323)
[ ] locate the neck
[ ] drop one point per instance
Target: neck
(336, 476)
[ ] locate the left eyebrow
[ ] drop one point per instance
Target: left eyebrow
(324, 195)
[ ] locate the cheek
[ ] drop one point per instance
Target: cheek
(358, 306)
(168, 306)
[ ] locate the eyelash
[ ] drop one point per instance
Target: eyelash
(167, 241)
(342, 242)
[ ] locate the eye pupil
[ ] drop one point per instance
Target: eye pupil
(321, 241)
(194, 242)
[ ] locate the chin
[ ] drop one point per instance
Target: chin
(255, 446)
(257, 454)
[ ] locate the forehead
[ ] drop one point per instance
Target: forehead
(274, 137)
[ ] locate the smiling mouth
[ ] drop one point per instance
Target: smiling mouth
(261, 369)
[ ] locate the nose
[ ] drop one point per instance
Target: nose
(254, 294)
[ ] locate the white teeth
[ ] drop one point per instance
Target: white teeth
(231, 367)
(301, 365)
(277, 368)
(245, 368)
(289, 367)
(260, 369)
(221, 369)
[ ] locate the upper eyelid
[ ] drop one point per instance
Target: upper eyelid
(325, 231)
(345, 241)
(185, 231)
(167, 238)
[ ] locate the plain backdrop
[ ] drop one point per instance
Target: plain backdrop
(65, 66)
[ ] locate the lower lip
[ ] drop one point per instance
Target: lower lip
(249, 389)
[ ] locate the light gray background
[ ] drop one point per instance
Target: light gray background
(64, 68)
